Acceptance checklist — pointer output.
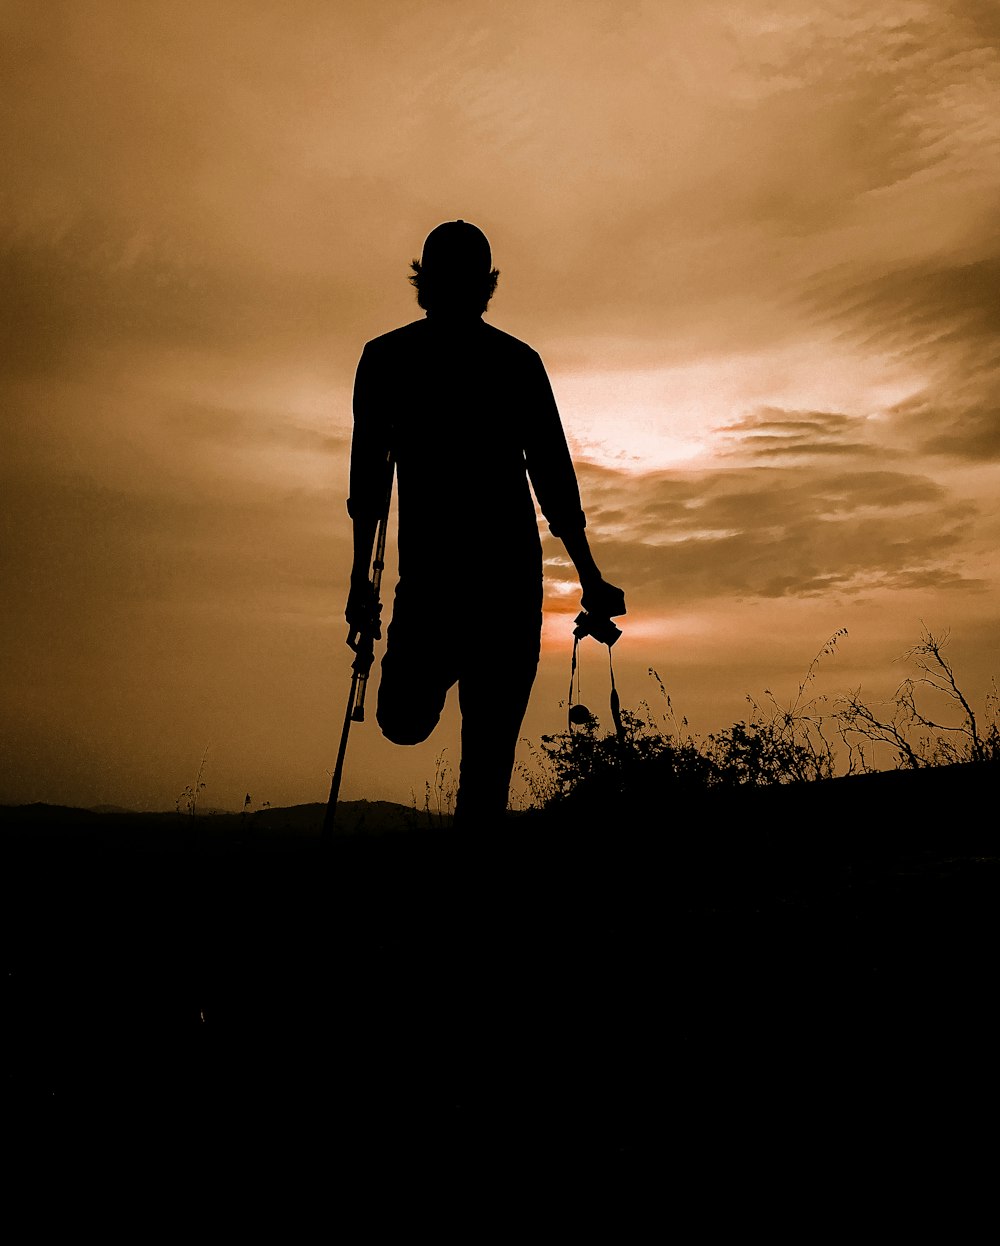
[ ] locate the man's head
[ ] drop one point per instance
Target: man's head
(455, 274)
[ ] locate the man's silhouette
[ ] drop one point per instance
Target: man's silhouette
(468, 415)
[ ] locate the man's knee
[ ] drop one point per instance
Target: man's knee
(411, 692)
(404, 725)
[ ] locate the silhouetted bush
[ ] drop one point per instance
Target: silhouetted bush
(802, 742)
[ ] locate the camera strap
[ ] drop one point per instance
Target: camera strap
(574, 677)
(616, 708)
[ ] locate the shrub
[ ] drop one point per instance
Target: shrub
(775, 744)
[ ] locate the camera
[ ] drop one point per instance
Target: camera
(602, 629)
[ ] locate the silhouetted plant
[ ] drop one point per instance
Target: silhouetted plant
(780, 744)
(187, 802)
(916, 739)
(540, 785)
(439, 794)
(246, 817)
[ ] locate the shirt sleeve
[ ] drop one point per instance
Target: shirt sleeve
(547, 457)
(370, 443)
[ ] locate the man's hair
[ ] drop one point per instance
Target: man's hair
(453, 292)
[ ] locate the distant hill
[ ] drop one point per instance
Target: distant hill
(354, 817)
(126, 827)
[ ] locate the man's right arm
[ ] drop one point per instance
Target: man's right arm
(370, 481)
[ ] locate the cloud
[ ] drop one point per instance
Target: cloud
(770, 433)
(955, 425)
(946, 314)
(69, 302)
(777, 532)
(231, 428)
(219, 179)
(75, 546)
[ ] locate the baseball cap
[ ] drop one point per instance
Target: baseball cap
(457, 246)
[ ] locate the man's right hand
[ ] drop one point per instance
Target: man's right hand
(363, 613)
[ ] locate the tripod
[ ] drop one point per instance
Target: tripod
(362, 641)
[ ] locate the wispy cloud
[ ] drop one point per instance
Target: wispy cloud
(773, 434)
(790, 531)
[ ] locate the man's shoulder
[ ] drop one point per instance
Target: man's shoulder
(501, 341)
(397, 339)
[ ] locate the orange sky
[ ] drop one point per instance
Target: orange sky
(755, 244)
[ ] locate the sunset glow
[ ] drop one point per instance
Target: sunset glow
(754, 244)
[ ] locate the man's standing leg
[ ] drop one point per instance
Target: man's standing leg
(494, 687)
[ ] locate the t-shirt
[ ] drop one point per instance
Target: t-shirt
(468, 414)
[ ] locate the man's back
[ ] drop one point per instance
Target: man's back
(466, 410)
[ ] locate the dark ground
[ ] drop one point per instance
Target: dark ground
(674, 986)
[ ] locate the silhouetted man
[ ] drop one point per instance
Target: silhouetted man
(468, 415)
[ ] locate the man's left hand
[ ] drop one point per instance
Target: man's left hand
(603, 600)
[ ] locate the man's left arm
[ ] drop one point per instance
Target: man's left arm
(599, 597)
(553, 478)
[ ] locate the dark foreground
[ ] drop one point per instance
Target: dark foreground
(812, 970)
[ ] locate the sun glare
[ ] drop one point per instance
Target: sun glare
(651, 419)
